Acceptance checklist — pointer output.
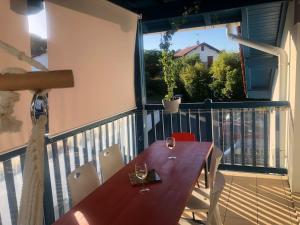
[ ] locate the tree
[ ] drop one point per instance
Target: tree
(227, 81)
(152, 63)
(196, 79)
(168, 64)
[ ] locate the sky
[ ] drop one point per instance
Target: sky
(37, 24)
(182, 39)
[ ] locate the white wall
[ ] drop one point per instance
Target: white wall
(203, 54)
(287, 87)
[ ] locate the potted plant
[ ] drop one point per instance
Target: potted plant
(170, 102)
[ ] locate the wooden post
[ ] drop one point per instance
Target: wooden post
(40, 80)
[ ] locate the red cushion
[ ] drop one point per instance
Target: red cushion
(184, 136)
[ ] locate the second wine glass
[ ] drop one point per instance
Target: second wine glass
(170, 143)
(141, 172)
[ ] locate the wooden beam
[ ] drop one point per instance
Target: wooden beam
(40, 80)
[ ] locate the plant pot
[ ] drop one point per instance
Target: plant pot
(171, 106)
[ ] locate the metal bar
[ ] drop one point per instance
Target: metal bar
(57, 176)
(221, 132)
(198, 130)
(76, 152)
(232, 158)
(113, 132)
(87, 127)
(206, 174)
(128, 140)
(266, 139)
(94, 157)
(106, 135)
(277, 139)
(134, 134)
(153, 125)
(85, 148)
(253, 139)
(243, 136)
(256, 169)
(163, 124)
(223, 105)
(49, 216)
(11, 191)
(22, 160)
(178, 122)
(171, 123)
(67, 164)
(188, 121)
(100, 139)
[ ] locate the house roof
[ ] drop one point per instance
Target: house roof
(185, 51)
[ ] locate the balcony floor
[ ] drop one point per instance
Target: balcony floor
(250, 198)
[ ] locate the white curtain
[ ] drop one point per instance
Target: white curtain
(95, 39)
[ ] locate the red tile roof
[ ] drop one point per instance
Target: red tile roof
(185, 51)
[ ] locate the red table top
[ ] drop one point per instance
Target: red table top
(116, 202)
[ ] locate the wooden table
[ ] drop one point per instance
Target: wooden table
(116, 202)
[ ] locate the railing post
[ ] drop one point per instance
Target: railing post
(140, 93)
(208, 119)
(232, 155)
(253, 138)
(49, 216)
(277, 139)
(243, 136)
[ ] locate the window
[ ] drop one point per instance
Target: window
(202, 48)
(210, 60)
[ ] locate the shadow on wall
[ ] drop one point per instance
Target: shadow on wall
(100, 9)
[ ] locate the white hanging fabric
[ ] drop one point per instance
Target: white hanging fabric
(8, 123)
(31, 205)
(31, 210)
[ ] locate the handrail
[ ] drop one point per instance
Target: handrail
(22, 149)
(223, 105)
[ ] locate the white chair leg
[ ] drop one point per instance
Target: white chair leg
(217, 216)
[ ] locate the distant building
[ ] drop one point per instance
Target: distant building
(206, 52)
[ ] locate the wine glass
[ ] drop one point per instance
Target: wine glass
(141, 172)
(170, 143)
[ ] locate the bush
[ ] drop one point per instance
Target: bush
(196, 79)
(227, 77)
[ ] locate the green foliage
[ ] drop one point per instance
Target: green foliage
(152, 63)
(196, 79)
(227, 77)
(169, 72)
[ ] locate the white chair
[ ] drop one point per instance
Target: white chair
(214, 164)
(110, 161)
(198, 203)
(82, 181)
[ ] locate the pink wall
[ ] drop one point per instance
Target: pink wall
(97, 42)
(14, 31)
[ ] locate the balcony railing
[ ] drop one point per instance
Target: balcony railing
(64, 153)
(251, 135)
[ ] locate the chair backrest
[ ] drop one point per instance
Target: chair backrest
(110, 161)
(184, 136)
(213, 211)
(82, 181)
(214, 164)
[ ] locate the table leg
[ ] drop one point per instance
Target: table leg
(206, 174)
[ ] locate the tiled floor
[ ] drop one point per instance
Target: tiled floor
(250, 198)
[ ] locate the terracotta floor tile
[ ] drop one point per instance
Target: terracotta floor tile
(239, 221)
(258, 199)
